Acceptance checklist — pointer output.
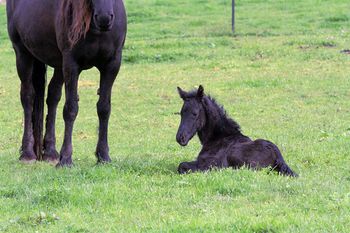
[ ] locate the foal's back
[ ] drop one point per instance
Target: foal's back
(257, 154)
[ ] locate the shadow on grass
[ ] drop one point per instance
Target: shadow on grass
(149, 166)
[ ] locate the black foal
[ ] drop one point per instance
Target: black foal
(223, 144)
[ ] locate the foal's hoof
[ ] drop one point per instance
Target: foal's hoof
(27, 157)
(64, 162)
(51, 156)
(183, 168)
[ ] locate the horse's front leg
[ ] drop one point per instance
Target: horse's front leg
(70, 111)
(187, 167)
(53, 97)
(109, 73)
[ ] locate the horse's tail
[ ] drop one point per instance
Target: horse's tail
(281, 165)
(39, 83)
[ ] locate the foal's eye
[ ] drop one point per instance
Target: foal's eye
(194, 114)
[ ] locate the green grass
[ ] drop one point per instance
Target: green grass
(281, 76)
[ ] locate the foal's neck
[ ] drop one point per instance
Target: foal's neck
(217, 124)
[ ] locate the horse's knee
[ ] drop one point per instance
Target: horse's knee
(53, 99)
(103, 109)
(70, 111)
(27, 93)
(55, 89)
(54, 95)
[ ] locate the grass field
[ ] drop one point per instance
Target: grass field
(281, 76)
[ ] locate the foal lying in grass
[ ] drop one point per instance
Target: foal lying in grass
(223, 144)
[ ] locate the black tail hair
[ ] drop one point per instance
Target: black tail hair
(39, 83)
(281, 165)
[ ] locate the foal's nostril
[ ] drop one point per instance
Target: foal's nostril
(111, 17)
(179, 138)
(182, 139)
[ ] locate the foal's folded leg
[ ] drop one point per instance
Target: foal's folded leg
(186, 167)
(211, 164)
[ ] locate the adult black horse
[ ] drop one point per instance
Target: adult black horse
(70, 36)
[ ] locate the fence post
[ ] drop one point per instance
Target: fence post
(233, 15)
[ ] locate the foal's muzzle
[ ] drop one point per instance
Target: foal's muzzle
(181, 139)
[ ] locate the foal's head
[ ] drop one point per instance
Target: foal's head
(192, 115)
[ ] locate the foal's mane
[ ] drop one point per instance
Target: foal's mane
(76, 17)
(224, 125)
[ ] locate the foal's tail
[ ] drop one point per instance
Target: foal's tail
(39, 83)
(281, 165)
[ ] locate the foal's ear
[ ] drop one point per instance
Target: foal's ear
(182, 93)
(200, 92)
(206, 102)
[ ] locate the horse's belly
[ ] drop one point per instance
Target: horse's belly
(48, 55)
(42, 44)
(36, 30)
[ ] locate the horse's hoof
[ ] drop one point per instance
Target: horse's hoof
(27, 161)
(64, 163)
(53, 162)
(51, 157)
(27, 158)
(104, 160)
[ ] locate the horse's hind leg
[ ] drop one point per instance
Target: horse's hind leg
(280, 164)
(53, 97)
(284, 169)
(24, 63)
(108, 75)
